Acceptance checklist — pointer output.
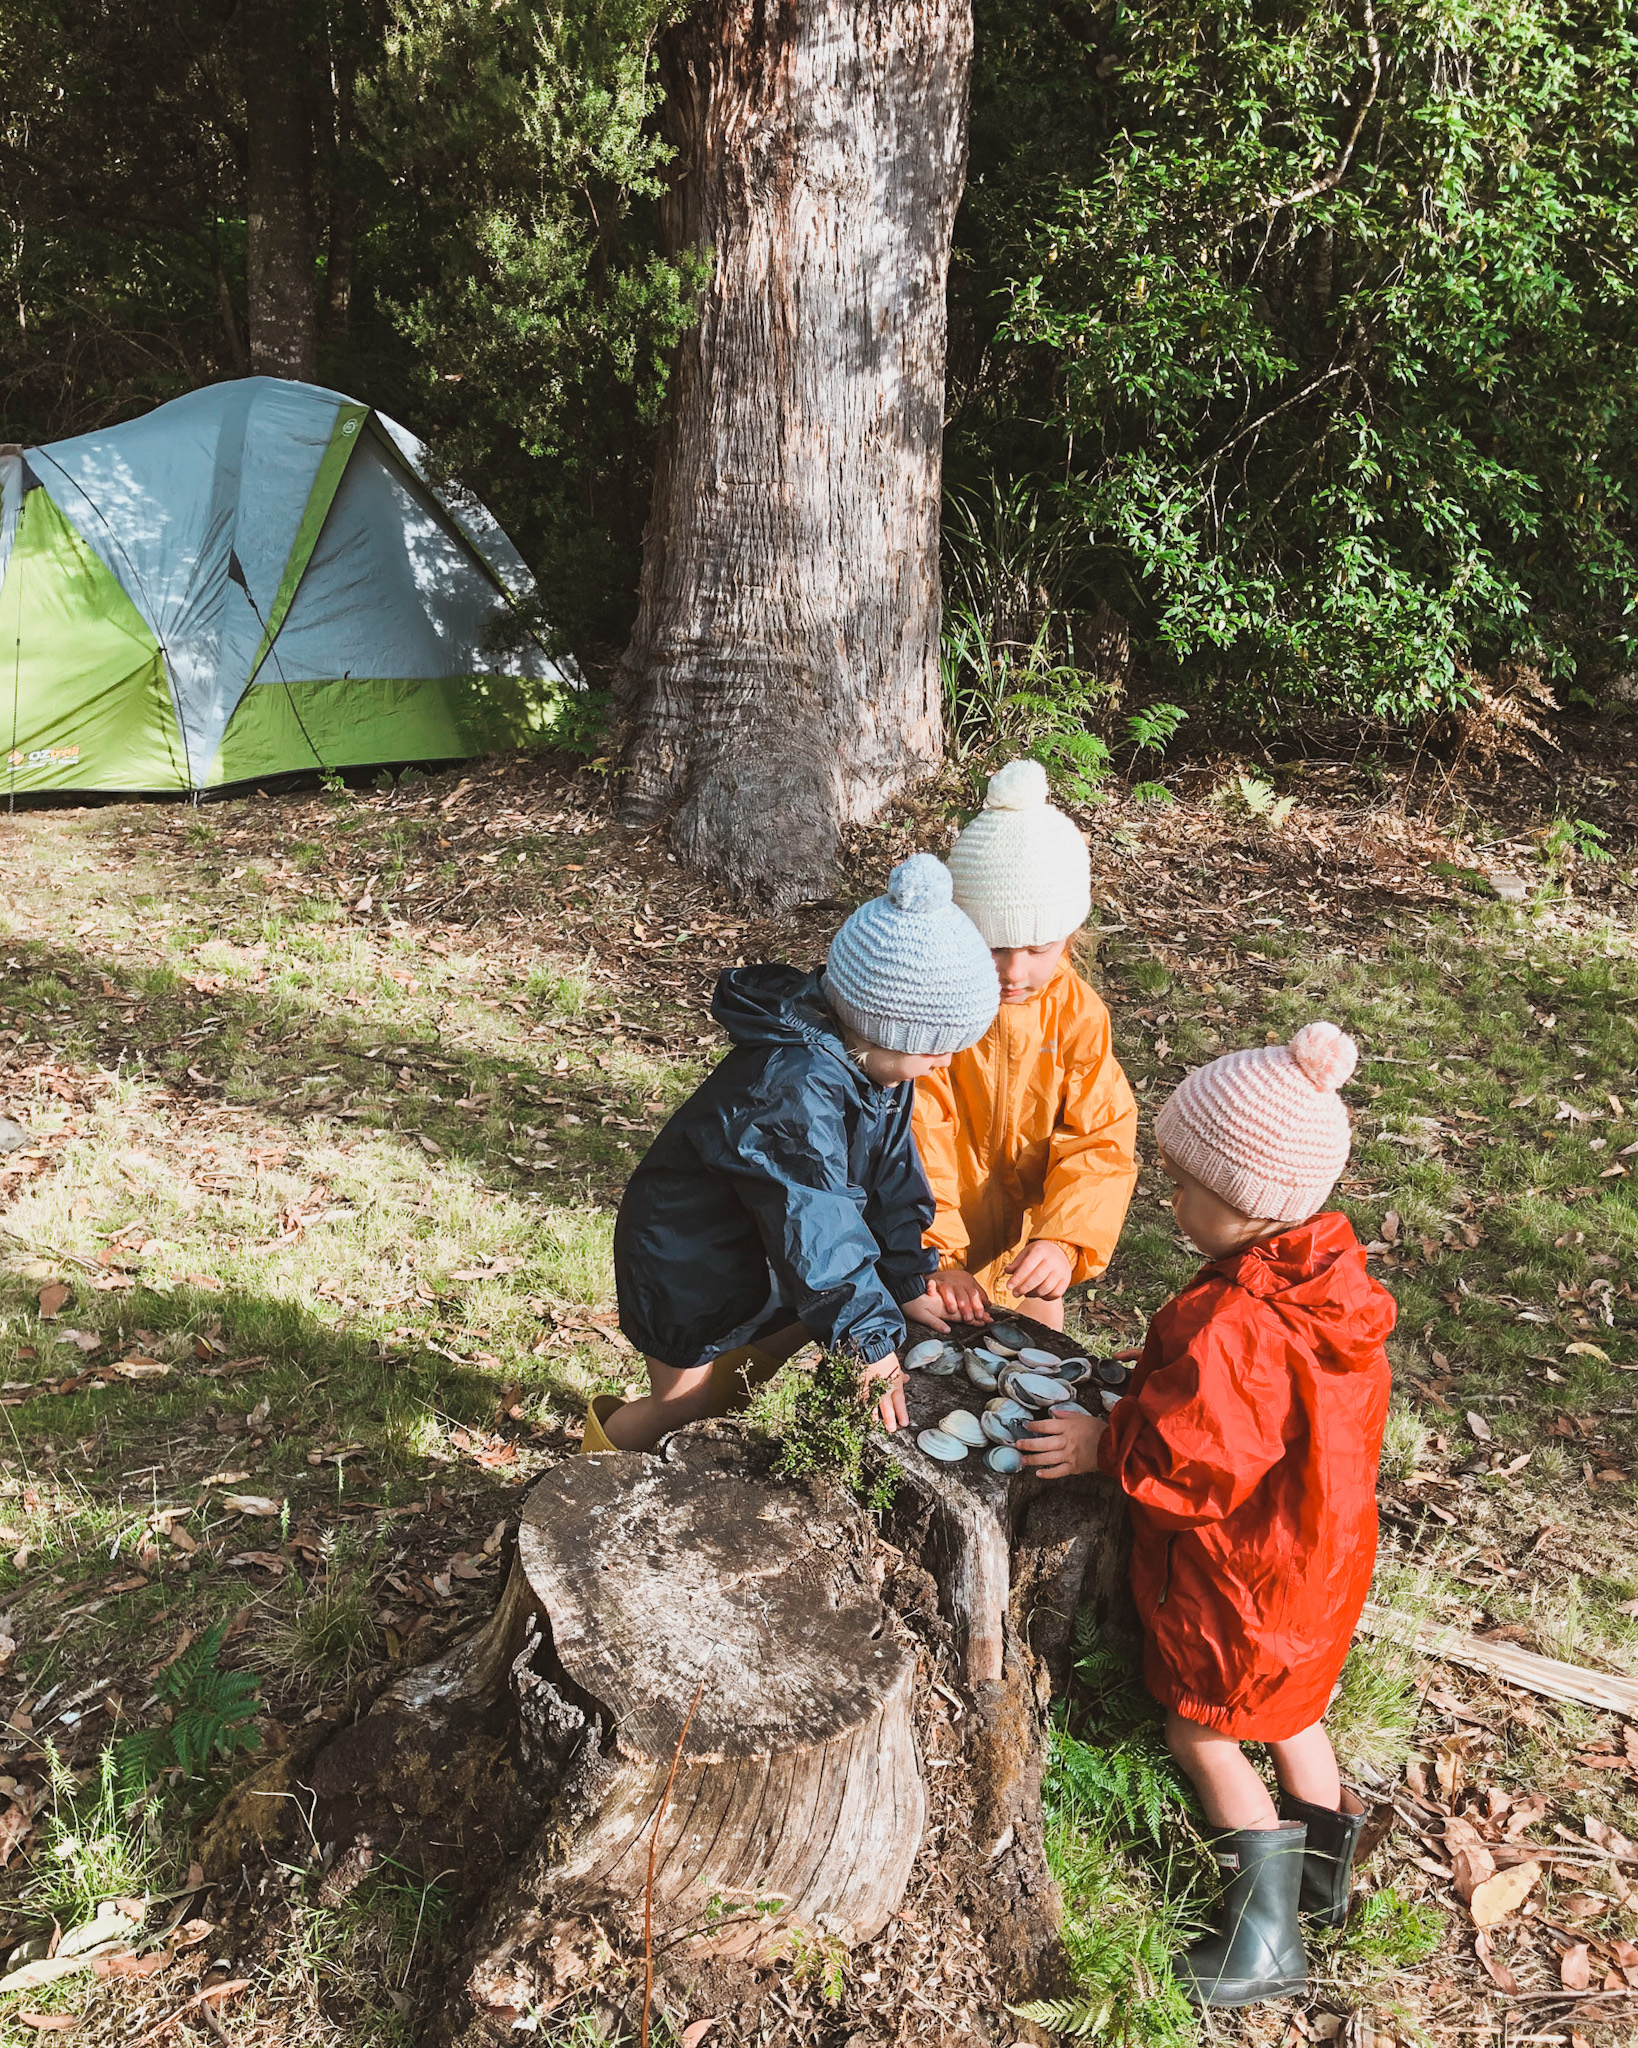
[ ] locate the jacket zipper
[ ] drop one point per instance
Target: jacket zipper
(1166, 1571)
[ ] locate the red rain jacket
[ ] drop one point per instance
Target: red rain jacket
(1248, 1447)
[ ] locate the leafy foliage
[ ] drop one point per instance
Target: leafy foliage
(212, 1717)
(541, 313)
(1031, 663)
(826, 1424)
(1389, 1931)
(1079, 2019)
(1115, 1763)
(1322, 320)
(1121, 1843)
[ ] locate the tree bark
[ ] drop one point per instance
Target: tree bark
(281, 294)
(1014, 1560)
(782, 679)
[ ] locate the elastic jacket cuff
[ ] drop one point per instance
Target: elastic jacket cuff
(908, 1286)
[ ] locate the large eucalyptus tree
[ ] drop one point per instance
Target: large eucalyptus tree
(782, 677)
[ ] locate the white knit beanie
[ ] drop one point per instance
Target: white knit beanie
(1265, 1129)
(1021, 869)
(908, 972)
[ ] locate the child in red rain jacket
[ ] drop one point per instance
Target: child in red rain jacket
(1247, 1447)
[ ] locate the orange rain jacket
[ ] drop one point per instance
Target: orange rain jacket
(1030, 1133)
(1248, 1447)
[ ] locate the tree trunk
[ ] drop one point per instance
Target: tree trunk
(782, 678)
(278, 195)
(342, 207)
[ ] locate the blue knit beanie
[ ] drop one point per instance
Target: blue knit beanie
(908, 971)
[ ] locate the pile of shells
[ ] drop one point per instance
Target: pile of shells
(1024, 1382)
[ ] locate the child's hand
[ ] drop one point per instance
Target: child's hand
(885, 1373)
(927, 1309)
(963, 1300)
(1043, 1269)
(1057, 1446)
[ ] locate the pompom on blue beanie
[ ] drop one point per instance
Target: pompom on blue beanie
(908, 971)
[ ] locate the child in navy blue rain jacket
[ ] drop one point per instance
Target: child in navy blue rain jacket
(784, 1200)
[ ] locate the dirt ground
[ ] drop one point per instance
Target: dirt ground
(318, 1106)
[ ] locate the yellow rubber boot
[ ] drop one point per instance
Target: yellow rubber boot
(736, 1375)
(598, 1410)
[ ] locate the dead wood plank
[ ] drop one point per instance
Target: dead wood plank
(1546, 1676)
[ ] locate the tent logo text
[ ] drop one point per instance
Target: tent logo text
(41, 757)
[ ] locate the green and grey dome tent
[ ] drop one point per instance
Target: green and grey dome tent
(258, 577)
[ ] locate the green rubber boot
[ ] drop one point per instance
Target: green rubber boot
(1256, 1951)
(1328, 1860)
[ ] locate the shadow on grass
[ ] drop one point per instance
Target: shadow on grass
(235, 1047)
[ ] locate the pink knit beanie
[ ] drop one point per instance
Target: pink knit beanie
(1265, 1129)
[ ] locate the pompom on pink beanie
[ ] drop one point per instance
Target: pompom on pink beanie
(1265, 1129)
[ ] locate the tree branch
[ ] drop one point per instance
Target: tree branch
(1274, 411)
(1339, 170)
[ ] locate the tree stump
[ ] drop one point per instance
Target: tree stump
(666, 1609)
(527, 1766)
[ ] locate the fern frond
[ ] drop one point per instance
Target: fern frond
(211, 1716)
(1082, 2019)
(181, 1678)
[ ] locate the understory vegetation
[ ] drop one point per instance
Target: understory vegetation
(1300, 339)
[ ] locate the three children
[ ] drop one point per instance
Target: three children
(786, 1201)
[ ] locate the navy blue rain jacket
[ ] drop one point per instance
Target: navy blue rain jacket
(787, 1188)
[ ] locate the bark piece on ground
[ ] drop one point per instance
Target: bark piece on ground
(1546, 1676)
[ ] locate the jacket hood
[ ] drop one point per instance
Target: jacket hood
(1314, 1275)
(772, 1004)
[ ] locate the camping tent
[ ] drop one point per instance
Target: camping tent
(258, 577)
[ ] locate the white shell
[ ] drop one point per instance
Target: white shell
(1069, 1408)
(947, 1449)
(947, 1362)
(1004, 1458)
(964, 1426)
(1109, 1398)
(1039, 1361)
(981, 1374)
(923, 1353)
(1002, 1420)
(1035, 1388)
(1005, 1339)
(1073, 1370)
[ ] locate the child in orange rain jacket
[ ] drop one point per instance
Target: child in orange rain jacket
(1247, 1447)
(1028, 1138)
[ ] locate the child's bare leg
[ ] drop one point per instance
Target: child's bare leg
(1230, 1790)
(674, 1399)
(1306, 1766)
(1048, 1311)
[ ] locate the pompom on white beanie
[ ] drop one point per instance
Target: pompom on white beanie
(1021, 869)
(1265, 1129)
(908, 972)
